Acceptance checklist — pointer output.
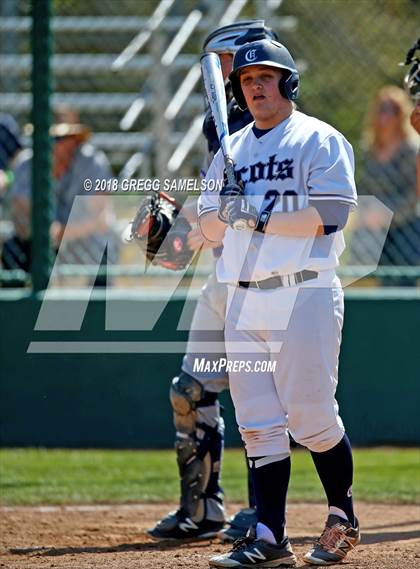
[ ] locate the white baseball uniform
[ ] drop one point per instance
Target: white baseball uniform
(298, 325)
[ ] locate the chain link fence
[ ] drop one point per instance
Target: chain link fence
(128, 105)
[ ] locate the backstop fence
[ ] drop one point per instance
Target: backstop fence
(102, 101)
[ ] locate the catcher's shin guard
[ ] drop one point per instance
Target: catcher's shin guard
(198, 445)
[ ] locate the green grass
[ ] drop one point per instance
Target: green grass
(39, 476)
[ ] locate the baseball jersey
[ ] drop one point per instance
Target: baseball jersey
(299, 162)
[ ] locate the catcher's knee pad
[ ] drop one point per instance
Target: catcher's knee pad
(186, 394)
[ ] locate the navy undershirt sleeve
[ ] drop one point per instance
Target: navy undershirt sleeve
(334, 214)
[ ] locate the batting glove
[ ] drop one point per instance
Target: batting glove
(241, 214)
(227, 197)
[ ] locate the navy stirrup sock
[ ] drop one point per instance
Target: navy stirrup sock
(270, 483)
(335, 469)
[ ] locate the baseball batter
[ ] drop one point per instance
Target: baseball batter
(281, 230)
(194, 394)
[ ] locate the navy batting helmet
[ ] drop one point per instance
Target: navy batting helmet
(228, 39)
(265, 52)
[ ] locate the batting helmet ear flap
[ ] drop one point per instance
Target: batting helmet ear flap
(289, 85)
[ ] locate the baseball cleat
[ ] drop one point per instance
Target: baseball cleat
(336, 541)
(178, 526)
(252, 552)
(239, 524)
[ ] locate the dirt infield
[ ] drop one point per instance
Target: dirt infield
(114, 537)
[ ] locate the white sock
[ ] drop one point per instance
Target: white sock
(265, 533)
(338, 512)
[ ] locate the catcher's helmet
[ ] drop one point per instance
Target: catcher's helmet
(229, 39)
(265, 52)
(412, 82)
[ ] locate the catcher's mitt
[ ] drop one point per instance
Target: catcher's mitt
(160, 233)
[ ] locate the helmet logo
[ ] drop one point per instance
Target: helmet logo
(251, 55)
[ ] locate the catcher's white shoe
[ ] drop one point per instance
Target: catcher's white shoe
(178, 526)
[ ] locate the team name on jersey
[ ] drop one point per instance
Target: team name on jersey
(271, 170)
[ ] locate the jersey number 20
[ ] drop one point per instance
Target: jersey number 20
(288, 200)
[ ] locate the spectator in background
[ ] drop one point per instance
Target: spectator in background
(389, 173)
(85, 224)
(10, 146)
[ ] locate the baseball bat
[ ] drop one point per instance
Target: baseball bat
(215, 89)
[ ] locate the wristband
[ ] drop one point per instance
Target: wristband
(263, 220)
